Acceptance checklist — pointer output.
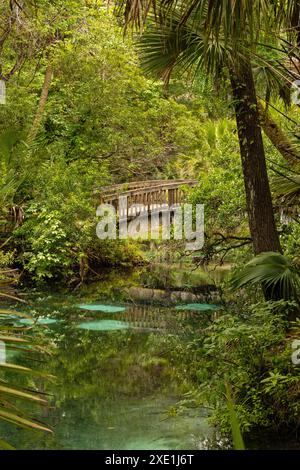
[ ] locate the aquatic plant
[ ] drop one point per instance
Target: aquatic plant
(101, 308)
(103, 325)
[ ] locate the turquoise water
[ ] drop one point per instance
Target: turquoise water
(116, 384)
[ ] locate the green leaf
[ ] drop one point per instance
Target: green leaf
(21, 394)
(12, 339)
(5, 446)
(23, 422)
(237, 437)
(274, 271)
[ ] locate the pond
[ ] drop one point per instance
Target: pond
(116, 382)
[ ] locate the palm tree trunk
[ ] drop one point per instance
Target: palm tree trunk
(280, 141)
(258, 195)
(42, 104)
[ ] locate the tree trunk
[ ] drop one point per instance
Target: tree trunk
(277, 137)
(258, 195)
(42, 104)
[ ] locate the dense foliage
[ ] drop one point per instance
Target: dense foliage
(86, 108)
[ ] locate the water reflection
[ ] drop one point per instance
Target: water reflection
(113, 389)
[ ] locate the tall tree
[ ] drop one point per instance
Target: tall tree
(258, 194)
(42, 104)
(215, 34)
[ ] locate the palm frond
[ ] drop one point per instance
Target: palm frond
(9, 393)
(200, 34)
(274, 272)
(186, 46)
(233, 19)
(287, 187)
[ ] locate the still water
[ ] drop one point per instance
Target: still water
(116, 382)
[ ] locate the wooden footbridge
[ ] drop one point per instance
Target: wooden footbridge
(145, 196)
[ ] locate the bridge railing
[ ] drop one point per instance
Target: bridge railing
(151, 194)
(142, 188)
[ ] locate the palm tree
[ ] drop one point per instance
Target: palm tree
(215, 35)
